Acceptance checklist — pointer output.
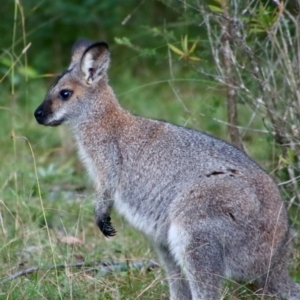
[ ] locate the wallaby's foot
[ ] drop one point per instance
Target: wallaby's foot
(105, 226)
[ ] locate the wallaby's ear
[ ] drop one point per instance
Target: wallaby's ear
(78, 49)
(94, 62)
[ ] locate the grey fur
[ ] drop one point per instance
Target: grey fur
(210, 211)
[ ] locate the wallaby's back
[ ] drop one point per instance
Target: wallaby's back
(210, 211)
(172, 173)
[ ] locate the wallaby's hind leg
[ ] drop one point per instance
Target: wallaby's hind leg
(200, 257)
(179, 286)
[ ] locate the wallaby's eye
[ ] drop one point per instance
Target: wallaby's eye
(65, 94)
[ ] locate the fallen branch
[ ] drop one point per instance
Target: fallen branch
(103, 268)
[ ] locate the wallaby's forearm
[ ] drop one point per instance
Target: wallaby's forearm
(103, 209)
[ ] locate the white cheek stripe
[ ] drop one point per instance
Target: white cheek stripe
(58, 115)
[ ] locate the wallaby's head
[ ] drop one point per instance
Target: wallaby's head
(75, 90)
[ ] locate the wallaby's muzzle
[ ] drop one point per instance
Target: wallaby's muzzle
(43, 117)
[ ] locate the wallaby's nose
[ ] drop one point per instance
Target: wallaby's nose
(39, 114)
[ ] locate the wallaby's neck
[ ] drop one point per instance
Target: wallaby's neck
(103, 115)
(98, 138)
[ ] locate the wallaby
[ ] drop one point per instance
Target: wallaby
(210, 211)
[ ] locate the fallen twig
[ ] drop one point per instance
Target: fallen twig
(103, 268)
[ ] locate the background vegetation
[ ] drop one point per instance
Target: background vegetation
(228, 67)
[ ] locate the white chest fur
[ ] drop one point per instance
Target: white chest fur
(140, 222)
(89, 165)
(133, 217)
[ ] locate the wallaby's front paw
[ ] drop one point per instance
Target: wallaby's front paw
(106, 227)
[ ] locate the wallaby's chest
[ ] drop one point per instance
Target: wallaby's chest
(101, 162)
(87, 160)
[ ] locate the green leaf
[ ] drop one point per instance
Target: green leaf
(184, 42)
(282, 160)
(28, 72)
(176, 50)
(5, 61)
(215, 9)
(123, 41)
(193, 47)
(291, 155)
(194, 58)
(256, 30)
